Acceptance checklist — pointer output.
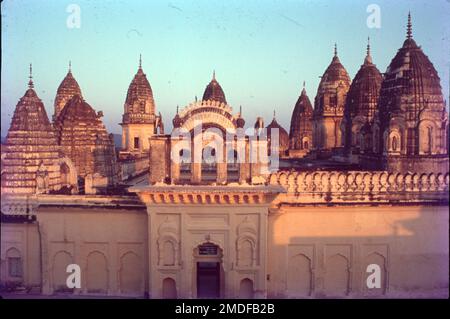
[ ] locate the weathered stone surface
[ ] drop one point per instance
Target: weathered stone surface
(139, 104)
(139, 121)
(300, 135)
(410, 131)
(329, 106)
(30, 154)
(360, 107)
(66, 90)
(84, 139)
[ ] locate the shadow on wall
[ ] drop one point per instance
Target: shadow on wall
(325, 252)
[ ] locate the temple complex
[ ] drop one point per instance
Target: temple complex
(214, 210)
(410, 129)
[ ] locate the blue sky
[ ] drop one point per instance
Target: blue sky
(262, 51)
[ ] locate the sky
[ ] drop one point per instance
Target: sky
(262, 51)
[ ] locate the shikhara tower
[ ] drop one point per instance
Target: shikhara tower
(410, 130)
(329, 108)
(139, 120)
(360, 107)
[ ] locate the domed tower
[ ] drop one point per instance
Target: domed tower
(139, 121)
(300, 134)
(329, 107)
(283, 137)
(30, 155)
(84, 139)
(410, 129)
(66, 90)
(214, 92)
(360, 108)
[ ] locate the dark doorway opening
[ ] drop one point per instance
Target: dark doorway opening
(208, 280)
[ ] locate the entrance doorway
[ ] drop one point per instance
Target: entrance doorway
(208, 280)
(209, 275)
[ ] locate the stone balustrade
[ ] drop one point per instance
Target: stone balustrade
(362, 186)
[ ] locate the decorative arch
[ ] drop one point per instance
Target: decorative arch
(380, 260)
(61, 260)
(246, 243)
(306, 143)
(169, 288)
(427, 137)
(130, 274)
(14, 263)
(299, 276)
(394, 142)
(246, 289)
(97, 273)
(221, 119)
(168, 243)
(337, 276)
(68, 172)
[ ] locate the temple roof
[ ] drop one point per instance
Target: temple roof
(283, 135)
(66, 90)
(30, 146)
(335, 72)
(410, 74)
(362, 97)
(139, 104)
(302, 115)
(84, 139)
(78, 109)
(214, 91)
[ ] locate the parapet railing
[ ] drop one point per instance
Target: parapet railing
(368, 185)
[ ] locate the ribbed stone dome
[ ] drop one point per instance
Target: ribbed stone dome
(139, 104)
(335, 78)
(301, 121)
(283, 136)
(362, 97)
(214, 92)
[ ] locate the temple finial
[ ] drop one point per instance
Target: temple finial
(240, 110)
(70, 66)
(196, 98)
(409, 27)
(335, 49)
(304, 87)
(214, 75)
(140, 61)
(274, 114)
(30, 82)
(177, 108)
(368, 59)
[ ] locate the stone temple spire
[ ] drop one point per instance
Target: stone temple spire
(67, 89)
(30, 82)
(368, 59)
(409, 27)
(140, 61)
